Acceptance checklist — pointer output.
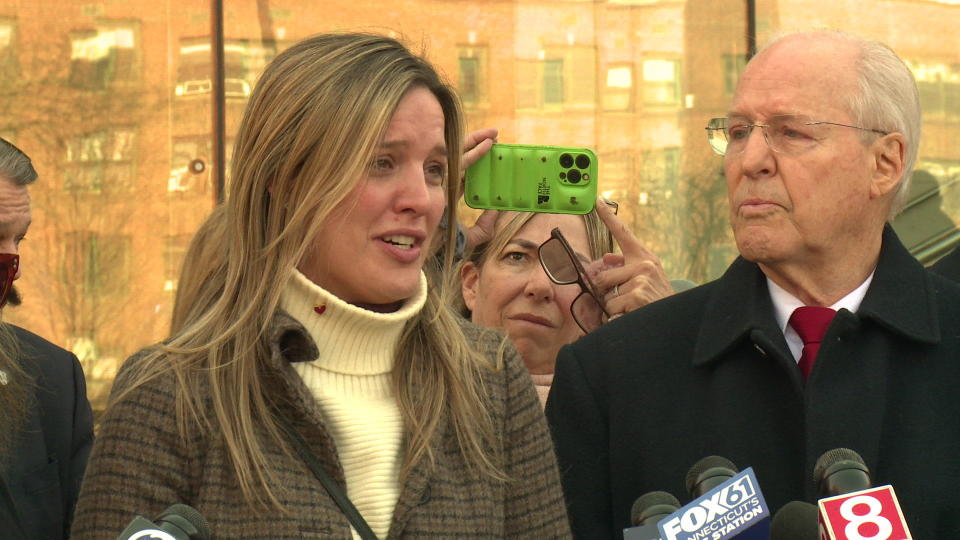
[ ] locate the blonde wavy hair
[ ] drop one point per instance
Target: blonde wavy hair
(306, 139)
(204, 255)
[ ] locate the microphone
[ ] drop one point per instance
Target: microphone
(852, 509)
(734, 507)
(652, 507)
(840, 471)
(797, 520)
(709, 473)
(178, 522)
(646, 511)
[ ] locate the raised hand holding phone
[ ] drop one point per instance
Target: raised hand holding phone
(476, 144)
(531, 178)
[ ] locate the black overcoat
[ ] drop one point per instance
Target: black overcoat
(708, 372)
(949, 265)
(43, 473)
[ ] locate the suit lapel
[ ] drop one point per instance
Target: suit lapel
(901, 298)
(740, 312)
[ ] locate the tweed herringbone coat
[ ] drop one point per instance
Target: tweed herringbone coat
(140, 465)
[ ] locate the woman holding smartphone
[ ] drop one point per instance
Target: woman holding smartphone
(580, 285)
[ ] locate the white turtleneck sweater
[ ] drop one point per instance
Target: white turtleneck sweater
(351, 380)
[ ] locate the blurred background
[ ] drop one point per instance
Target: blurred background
(129, 109)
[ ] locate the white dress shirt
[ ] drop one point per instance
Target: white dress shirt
(784, 303)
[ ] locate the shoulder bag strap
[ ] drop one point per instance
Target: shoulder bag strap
(336, 493)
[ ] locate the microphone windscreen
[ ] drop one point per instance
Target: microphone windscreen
(840, 471)
(187, 518)
(797, 520)
(708, 473)
(656, 504)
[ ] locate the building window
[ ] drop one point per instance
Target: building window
(661, 82)
(96, 264)
(101, 160)
(671, 167)
(939, 87)
(175, 250)
(559, 78)
(9, 68)
(105, 54)
(471, 75)
(733, 65)
(244, 60)
(660, 173)
(469, 79)
(553, 82)
(618, 91)
(617, 171)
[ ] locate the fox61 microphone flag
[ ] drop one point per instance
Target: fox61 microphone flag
(734, 508)
(870, 514)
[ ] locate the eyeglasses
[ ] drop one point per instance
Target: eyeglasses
(563, 268)
(613, 205)
(9, 264)
(785, 133)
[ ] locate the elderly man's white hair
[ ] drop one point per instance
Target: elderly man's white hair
(888, 99)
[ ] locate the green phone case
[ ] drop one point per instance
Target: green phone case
(554, 179)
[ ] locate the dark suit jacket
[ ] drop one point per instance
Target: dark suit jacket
(707, 371)
(43, 474)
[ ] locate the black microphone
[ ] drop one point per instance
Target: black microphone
(726, 504)
(179, 522)
(848, 500)
(841, 471)
(651, 507)
(646, 512)
(709, 473)
(797, 520)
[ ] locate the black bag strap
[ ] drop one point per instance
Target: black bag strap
(336, 493)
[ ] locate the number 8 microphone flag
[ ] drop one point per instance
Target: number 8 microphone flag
(871, 514)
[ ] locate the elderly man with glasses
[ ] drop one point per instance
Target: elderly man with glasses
(825, 333)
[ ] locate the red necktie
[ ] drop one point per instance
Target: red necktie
(810, 323)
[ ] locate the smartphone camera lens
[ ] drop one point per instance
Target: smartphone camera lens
(566, 161)
(583, 161)
(573, 176)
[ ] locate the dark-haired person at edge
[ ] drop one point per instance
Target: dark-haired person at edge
(818, 145)
(318, 337)
(46, 425)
